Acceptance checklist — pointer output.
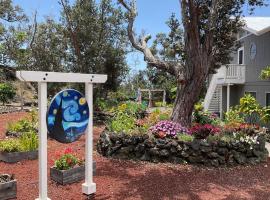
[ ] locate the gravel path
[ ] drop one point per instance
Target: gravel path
(138, 180)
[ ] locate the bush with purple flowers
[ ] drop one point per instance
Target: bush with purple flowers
(168, 129)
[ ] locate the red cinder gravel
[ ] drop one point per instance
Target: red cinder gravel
(130, 180)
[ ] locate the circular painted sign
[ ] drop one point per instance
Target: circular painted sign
(67, 116)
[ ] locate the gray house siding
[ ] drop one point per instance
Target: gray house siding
(253, 70)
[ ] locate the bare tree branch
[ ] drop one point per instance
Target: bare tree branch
(35, 30)
(72, 33)
(141, 44)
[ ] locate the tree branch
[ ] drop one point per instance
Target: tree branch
(141, 45)
(72, 33)
(35, 30)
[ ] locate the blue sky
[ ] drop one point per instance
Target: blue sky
(152, 17)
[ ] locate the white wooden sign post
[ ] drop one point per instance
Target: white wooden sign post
(89, 187)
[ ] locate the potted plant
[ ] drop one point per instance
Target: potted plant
(68, 168)
(8, 187)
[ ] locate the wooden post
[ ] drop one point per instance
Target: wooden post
(150, 99)
(42, 133)
(139, 96)
(164, 98)
(89, 187)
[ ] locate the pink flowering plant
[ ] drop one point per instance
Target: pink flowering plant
(202, 131)
(168, 129)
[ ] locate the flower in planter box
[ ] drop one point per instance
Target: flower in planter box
(168, 129)
(67, 160)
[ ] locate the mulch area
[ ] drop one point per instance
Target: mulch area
(130, 180)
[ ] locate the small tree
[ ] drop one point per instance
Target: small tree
(7, 92)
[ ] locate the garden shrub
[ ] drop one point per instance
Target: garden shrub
(102, 104)
(168, 129)
(122, 122)
(233, 116)
(26, 142)
(204, 117)
(27, 124)
(202, 131)
(250, 109)
(29, 141)
(10, 145)
(265, 73)
(157, 116)
(7, 92)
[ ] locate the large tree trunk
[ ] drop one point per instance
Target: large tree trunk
(187, 95)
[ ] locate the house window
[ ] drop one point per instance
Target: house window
(267, 102)
(241, 56)
(252, 94)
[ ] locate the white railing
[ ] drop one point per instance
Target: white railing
(235, 72)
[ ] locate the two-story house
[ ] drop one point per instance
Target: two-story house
(242, 75)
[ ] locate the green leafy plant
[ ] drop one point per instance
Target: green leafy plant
(265, 73)
(7, 92)
(122, 122)
(10, 145)
(26, 142)
(204, 117)
(29, 141)
(185, 137)
(250, 109)
(233, 116)
(27, 124)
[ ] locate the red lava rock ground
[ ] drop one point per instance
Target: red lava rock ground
(138, 180)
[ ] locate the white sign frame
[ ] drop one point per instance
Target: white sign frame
(89, 187)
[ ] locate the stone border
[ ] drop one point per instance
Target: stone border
(199, 152)
(12, 157)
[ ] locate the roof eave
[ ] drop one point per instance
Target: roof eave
(255, 32)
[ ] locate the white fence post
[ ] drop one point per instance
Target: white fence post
(89, 187)
(42, 133)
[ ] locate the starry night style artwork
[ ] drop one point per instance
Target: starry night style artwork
(68, 116)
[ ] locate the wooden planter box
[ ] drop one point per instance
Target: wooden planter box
(73, 175)
(13, 157)
(8, 190)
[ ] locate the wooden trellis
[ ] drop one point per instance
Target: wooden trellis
(150, 95)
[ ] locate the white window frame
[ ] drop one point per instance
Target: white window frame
(241, 49)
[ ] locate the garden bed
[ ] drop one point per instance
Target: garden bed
(73, 175)
(199, 152)
(12, 157)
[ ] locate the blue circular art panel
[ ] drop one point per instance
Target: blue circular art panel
(67, 116)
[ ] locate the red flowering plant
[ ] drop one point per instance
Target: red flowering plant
(66, 160)
(202, 131)
(248, 129)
